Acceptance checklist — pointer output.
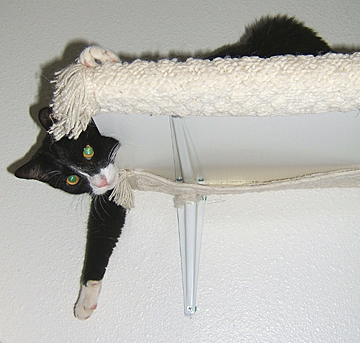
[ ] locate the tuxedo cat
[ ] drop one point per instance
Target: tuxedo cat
(86, 165)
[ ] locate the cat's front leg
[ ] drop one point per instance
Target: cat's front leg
(106, 220)
(87, 300)
(94, 56)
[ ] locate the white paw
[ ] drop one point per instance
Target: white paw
(87, 301)
(94, 56)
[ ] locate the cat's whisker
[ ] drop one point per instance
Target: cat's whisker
(53, 174)
(80, 204)
(102, 202)
(113, 152)
(95, 200)
(99, 202)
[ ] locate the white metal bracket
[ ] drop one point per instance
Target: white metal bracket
(190, 213)
(190, 222)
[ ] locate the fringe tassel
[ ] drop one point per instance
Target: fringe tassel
(122, 193)
(72, 107)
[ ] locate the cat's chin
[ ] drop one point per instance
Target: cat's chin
(102, 190)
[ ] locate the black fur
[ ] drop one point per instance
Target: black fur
(272, 36)
(105, 222)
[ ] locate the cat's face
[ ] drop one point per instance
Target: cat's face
(84, 165)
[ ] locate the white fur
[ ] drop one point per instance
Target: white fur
(104, 181)
(94, 56)
(88, 299)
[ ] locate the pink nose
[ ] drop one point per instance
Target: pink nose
(102, 182)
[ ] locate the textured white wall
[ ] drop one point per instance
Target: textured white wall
(275, 267)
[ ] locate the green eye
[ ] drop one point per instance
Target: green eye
(88, 152)
(72, 180)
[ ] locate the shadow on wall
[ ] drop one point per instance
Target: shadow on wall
(156, 56)
(45, 93)
(345, 49)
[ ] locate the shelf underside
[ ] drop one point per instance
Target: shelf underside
(239, 149)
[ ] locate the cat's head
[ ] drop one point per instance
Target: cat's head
(82, 165)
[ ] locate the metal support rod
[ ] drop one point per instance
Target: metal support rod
(186, 161)
(190, 222)
(190, 213)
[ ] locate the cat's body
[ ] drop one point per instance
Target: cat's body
(272, 36)
(86, 165)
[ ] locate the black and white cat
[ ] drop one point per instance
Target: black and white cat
(86, 165)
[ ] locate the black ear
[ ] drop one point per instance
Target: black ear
(36, 169)
(45, 118)
(92, 127)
